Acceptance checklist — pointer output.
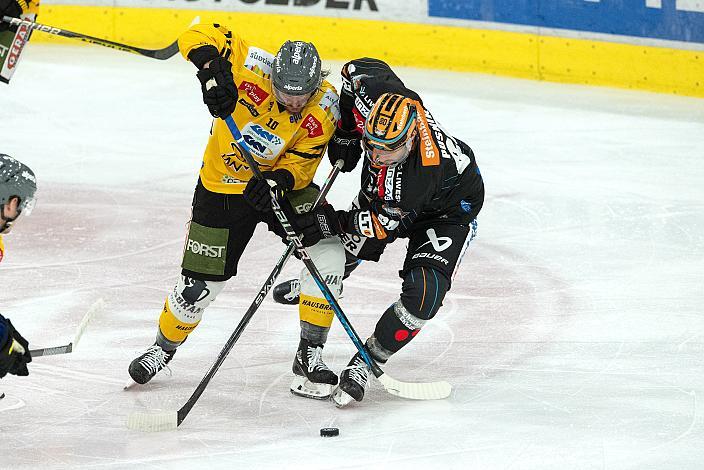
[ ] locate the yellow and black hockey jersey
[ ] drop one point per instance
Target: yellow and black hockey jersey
(276, 138)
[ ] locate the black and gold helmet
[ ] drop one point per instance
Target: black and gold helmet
(391, 122)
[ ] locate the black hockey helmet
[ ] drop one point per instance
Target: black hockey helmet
(17, 180)
(297, 68)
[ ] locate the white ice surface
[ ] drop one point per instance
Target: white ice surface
(573, 334)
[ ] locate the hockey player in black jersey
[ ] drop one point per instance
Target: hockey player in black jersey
(418, 182)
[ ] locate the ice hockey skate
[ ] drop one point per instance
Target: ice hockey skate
(146, 366)
(353, 382)
(287, 292)
(312, 377)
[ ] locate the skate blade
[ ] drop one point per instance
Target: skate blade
(302, 387)
(341, 398)
(130, 385)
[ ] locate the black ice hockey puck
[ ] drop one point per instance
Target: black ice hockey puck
(329, 432)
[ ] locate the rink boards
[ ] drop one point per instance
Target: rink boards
(649, 44)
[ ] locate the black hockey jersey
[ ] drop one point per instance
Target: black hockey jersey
(440, 177)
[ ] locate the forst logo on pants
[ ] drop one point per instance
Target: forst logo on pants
(201, 249)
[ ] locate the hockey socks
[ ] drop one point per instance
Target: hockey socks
(396, 328)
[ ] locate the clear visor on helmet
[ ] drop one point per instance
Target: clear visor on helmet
(293, 103)
(381, 155)
(26, 207)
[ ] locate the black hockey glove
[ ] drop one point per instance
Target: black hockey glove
(13, 359)
(325, 222)
(345, 145)
(9, 8)
(221, 96)
(320, 223)
(257, 194)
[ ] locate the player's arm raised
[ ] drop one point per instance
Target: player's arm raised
(209, 47)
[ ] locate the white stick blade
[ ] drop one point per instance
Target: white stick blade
(153, 422)
(416, 391)
(97, 306)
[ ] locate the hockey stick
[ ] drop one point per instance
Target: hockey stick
(160, 54)
(415, 390)
(92, 311)
(167, 420)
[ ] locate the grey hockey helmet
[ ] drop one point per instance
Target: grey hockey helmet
(297, 69)
(17, 179)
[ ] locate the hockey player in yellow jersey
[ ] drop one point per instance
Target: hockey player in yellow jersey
(286, 112)
(279, 133)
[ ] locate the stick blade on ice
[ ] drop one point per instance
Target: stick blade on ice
(416, 391)
(153, 422)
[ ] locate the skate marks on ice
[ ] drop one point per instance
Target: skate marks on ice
(10, 402)
(503, 308)
(114, 228)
